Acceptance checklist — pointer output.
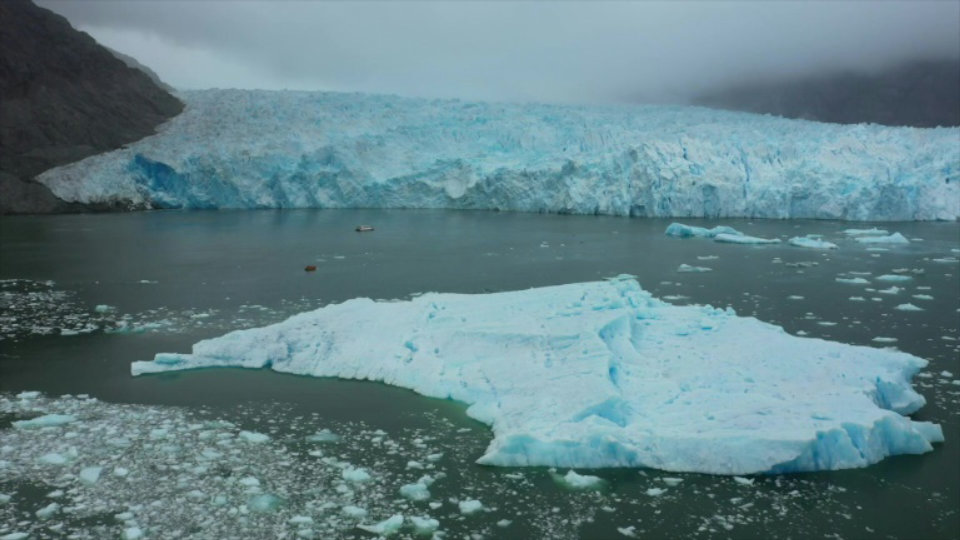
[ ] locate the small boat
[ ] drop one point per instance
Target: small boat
(364, 228)
(311, 268)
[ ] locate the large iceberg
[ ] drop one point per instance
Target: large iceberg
(259, 149)
(604, 375)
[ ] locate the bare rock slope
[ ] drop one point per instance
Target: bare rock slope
(63, 97)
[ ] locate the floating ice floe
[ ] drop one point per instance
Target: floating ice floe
(47, 420)
(744, 239)
(634, 381)
(688, 231)
(908, 307)
(813, 243)
(895, 238)
(852, 281)
(693, 269)
(386, 527)
(866, 232)
(893, 278)
(470, 506)
(573, 480)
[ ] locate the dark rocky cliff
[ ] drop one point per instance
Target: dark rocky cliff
(919, 93)
(63, 97)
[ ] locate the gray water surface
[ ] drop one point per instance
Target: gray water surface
(164, 280)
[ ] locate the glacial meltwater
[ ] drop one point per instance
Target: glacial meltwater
(89, 451)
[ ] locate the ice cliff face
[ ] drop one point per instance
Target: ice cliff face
(257, 149)
(604, 375)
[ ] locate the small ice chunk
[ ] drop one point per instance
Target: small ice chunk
(671, 481)
(47, 420)
(892, 290)
(707, 257)
(881, 339)
(424, 525)
(744, 239)
(893, 278)
(300, 520)
(629, 532)
(414, 465)
(385, 527)
(4, 498)
(415, 492)
(866, 232)
(48, 511)
(812, 243)
(946, 373)
(90, 475)
(895, 238)
(132, 533)
(53, 458)
(656, 492)
(103, 308)
(353, 511)
(470, 506)
(30, 394)
(857, 299)
(852, 281)
(581, 481)
(253, 437)
(693, 269)
(923, 297)
(249, 481)
(503, 523)
(743, 481)
(794, 297)
(356, 475)
(908, 307)
(121, 471)
(263, 503)
(323, 436)
(687, 231)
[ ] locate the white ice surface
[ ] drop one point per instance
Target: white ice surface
(895, 238)
(813, 243)
(259, 149)
(601, 375)
(743, 239)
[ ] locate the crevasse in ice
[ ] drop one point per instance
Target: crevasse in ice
(604, 375)
(260, 149)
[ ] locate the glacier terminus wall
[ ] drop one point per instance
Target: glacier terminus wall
(263, 149)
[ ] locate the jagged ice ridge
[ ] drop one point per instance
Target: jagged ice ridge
(260, 149)
(604, 375)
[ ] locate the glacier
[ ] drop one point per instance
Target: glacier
(602, 374)
(282, 149)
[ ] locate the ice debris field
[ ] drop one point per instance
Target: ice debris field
(602, 374)
(77, 466)
(259, 149)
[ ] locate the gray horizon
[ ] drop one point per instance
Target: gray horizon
(596, 52)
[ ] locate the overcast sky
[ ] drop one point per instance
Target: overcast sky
(530, 51)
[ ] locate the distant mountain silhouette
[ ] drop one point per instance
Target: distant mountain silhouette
(922, 93)
(134, 63)
(63, 97)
